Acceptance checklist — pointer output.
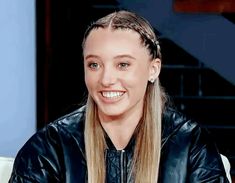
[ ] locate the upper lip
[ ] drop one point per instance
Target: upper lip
(112, 91)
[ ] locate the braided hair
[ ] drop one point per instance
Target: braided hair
(126, 20)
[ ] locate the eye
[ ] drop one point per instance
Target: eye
(93, 65)
(123, 65)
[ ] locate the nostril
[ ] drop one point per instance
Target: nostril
(108, 79)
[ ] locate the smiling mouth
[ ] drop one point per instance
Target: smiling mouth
(112, 95)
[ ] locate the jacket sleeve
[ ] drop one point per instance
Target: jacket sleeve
(205, 161)
(37, 161)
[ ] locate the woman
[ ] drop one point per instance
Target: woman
(125, 133)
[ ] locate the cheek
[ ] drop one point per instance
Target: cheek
(89, 80)
(139, 76)
(137, 81)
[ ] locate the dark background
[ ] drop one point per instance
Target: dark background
(60, 81)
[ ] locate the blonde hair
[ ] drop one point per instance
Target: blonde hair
(147, 151)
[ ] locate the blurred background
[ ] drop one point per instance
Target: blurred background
(17, 74)
(46, 78)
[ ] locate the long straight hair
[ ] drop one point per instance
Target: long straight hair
(145, 166)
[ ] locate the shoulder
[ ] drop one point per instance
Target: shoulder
(46, 147)
(72, 122)
(174, 121)
(55, 131)
(186, 144)
(183, 131)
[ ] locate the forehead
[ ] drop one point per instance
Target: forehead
(110, 40)
(103, 33)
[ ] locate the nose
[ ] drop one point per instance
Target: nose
(108, 77)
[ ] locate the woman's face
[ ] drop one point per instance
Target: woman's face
(117, 69)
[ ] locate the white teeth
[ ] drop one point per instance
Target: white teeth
(112, 94)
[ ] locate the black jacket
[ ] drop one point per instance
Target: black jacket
(56, 154)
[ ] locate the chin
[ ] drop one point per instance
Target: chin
(111, 111)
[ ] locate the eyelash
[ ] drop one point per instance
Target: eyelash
(123, 65)
(96, 66)
(93, 65)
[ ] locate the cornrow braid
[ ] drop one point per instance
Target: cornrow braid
(149, 41)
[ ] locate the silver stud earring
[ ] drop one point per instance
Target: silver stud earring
(151, 80)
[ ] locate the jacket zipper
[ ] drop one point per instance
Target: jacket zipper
(122, 167)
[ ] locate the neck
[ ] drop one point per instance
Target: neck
(120, 129)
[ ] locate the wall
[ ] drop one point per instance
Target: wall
(209, 37)
(17, 74)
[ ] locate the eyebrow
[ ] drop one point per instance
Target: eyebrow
(125, 56)
(116, 57)
(91, 56)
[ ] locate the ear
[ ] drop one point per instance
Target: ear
(154, 69)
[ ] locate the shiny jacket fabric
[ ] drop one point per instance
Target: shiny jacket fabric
(57, 154)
